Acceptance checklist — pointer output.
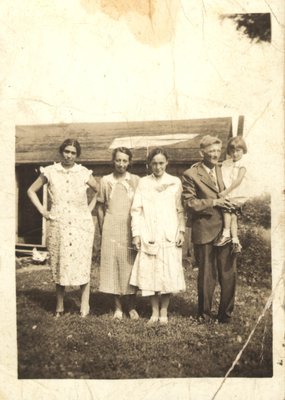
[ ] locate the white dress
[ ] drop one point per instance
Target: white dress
(157, 217)
(71, 229)
(230, 171)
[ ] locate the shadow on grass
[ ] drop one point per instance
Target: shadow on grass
(101, 303)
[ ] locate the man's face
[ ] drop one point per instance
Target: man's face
(211, 154)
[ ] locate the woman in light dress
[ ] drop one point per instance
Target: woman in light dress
(71, 228)
(158, 227)
(117, 254)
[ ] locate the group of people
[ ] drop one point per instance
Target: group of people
(142, 223)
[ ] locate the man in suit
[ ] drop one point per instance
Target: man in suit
(201, 186)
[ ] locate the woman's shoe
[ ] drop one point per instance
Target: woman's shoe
(118, 314)
(58, 314)
(163, 320)
(83, 314)
(133, 315)
(152, 320)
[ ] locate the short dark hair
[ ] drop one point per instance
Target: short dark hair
(70, 142)
(236, 142)
(154, 152)
(124, 150)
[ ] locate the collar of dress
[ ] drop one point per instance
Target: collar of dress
(113, 180)
(74, 168)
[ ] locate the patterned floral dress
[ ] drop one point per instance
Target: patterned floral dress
(117, 254)
(71, 228)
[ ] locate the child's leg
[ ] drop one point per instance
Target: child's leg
(234, 228)
(164, 304)
(85, 293)
(59, 289)
(227, 224)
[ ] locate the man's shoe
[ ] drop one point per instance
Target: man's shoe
(205, 319)
(224, 320)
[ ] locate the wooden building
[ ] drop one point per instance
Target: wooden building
(37, 145)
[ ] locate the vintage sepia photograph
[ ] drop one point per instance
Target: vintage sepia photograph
(142, 196)
(193, 235)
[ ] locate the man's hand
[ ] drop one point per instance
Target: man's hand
(223, 203)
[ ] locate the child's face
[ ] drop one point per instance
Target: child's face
(236, 154)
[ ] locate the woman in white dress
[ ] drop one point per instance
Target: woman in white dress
(71, 228)
(158, 227)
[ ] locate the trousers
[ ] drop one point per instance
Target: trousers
(216, 262)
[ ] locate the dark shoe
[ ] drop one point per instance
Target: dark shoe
(222, 240)
(205, 319)
(224, 320)
(236, 248)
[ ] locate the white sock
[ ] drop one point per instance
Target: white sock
(235, 240)
(226, 232)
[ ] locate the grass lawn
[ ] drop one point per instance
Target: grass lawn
(98, 347)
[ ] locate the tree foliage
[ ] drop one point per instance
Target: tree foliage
(256, 26)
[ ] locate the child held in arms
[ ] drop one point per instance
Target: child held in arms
(234, 174)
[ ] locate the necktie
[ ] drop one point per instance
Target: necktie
(213, 178)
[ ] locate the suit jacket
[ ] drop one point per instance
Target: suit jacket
(198, 194)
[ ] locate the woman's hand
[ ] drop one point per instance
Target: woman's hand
(137, 242)
(180, 239)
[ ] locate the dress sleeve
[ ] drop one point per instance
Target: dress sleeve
(243, 163)
(101, 197)
(86, 173)
(45, 171)
(179, 207)
(136, 211)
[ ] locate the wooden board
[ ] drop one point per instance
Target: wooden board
(39, 143)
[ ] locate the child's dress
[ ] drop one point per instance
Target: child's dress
(230, 171)
(157, 217)
(71, 229)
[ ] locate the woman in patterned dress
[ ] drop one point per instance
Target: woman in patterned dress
(158, 228)
(117, 255)
(71, 228)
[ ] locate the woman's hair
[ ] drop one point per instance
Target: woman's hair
(70, 142)
(154, 152)
(236, 142)
(124, 150)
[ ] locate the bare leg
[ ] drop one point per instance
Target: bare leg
(118, 303)
(118, 307)
(163, 319)
(234, 228)
(164, 305)
(131, 305)
(85, 292)
(155, 309)
(227, 224)
(59, 289)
